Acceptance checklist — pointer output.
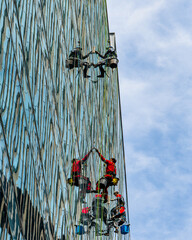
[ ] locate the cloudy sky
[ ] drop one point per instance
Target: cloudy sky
(154, 45)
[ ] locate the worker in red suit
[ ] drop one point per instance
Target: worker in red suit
(99, 212)
(110, 174)
(119, 198)
(118, 215)
(85, 217)
(77, 177)
(76, 167)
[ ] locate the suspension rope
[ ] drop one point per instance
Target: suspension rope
(126, 186)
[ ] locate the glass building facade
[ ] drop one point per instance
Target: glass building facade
(50, 115)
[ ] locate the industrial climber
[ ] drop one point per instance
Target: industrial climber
(76, 60)
(119, 210)
(85, 217)
(106, 181)
(110, 60)
(93, 218)
(118, 218)
(118, 215)
(77, 178)
(99, 213)
(119, 198)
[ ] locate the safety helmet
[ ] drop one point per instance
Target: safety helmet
(77, 49)
(115, 181)
(114, 160)
(116, 192)
(70, 181)
(110, 47)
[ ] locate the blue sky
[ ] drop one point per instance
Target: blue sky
(154, 45)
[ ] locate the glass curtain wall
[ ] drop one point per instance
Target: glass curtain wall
(50, 115)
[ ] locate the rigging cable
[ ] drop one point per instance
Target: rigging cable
(126, 186)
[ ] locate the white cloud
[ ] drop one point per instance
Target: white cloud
(141, 162)
(159, 198)
(146, 107)
(153, 31)
(154, 44)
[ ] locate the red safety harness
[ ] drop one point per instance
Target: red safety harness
(85, 210)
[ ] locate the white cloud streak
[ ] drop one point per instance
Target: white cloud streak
(154, 44)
